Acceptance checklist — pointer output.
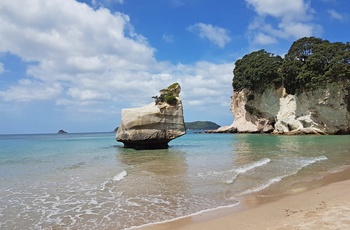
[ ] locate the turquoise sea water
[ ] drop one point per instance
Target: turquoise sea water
(89, 181)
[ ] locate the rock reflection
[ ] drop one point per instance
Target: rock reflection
(154, 171)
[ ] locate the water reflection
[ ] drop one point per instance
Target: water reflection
(165, 162)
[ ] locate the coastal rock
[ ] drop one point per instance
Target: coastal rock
(320, 111)
(155, 125)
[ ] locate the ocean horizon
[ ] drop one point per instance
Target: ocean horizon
(89, 181)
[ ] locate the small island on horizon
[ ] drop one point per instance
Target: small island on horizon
(201, 125)
(61, 131)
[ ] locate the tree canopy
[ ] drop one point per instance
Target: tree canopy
(309, 64)
(256, 70)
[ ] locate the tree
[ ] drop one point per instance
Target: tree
(256, 71)
(310, 63)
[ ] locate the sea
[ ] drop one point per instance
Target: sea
(89, 181)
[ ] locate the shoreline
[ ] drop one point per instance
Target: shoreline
(312, 205)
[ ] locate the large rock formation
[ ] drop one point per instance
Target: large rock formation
(154, 125)
(316, 97)
(321, 111)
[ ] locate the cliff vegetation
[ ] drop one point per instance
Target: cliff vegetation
(168, 95)
(310, 63)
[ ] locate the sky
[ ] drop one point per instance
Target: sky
(75, 64)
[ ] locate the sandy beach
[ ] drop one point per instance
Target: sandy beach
(320, 204)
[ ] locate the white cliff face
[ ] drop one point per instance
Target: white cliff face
(317, 111)
(152, 126)
(244, 122)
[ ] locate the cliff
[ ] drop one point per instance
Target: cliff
(155, 125)
(307, 91)
(320, 111)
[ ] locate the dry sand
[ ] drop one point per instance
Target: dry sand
(322, 204)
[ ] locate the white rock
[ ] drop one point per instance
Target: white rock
(152, 126)
(317, 111)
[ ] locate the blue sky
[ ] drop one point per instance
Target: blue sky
(73, 65)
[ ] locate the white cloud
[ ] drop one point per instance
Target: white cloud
(27, 90)
(288, 10)
(88, 95)
(264, 39)
(335, 15)
(293, 20)
(2, 68)
(101, 3)
(215, 34)
(86, 58)
(168, 38)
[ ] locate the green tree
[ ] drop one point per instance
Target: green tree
(312, 63)
(256, 71)
(309, 64)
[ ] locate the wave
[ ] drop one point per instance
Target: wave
(305, 162)
(183, 216)
(108, 184)
(262, 186)
(246, 168)
(251, 166)
(235, 171)
(309, 161)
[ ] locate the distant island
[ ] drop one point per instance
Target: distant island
(201, 125)
(61, 131)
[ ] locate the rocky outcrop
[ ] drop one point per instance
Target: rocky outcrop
(321, 111)
(61, 131)
(155, 125)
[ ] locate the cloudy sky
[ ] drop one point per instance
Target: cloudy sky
(73, 65)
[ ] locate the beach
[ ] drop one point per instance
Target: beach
(320, 204)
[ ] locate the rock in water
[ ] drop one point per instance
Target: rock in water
(154, 125)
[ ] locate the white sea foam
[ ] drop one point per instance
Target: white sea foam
(308, 161)
(108, 184)
(235, 172)
(262, 186)
(253, 165)
(120, 176)
(304, 163)
(184, 216)
(246, 168)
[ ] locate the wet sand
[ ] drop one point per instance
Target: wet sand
(320, 204)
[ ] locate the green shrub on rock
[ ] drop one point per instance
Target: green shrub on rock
(168, 95)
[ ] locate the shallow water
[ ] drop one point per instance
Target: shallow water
(88, 181)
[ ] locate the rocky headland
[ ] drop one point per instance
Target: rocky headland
(155, 125)
(320, 111)
(307, 92)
